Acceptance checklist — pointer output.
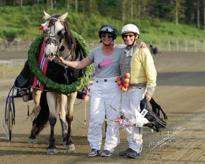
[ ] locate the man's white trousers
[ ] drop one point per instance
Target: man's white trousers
(104, 94)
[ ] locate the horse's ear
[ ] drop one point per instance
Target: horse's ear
(46, 15)
(62, 17)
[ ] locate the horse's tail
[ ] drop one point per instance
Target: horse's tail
(40, 121)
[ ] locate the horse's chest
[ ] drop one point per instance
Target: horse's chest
(59, 74)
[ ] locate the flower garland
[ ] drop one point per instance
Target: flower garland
(124, 82)
(57, 87)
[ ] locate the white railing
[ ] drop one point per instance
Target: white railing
(180, 46)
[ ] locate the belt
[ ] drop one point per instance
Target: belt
(104, 80)
(139, 85)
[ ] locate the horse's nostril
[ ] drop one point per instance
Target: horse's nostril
(62, 48)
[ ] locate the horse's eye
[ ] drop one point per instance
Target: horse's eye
(48, 41)
(62, 48)
(61, 33)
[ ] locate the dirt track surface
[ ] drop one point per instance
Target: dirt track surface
(181, 93)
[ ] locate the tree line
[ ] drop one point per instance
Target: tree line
(178, 11)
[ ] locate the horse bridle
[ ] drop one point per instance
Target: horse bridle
(52, 38)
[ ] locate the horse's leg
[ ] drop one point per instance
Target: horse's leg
(62, 115)
(69, 118)
(51, 99)
(36, 98)
(34, 132)
(40, 121)
(35, 129)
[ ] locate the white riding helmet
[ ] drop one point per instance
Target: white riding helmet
(130, 28)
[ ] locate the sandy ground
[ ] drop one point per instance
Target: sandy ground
(181, 93)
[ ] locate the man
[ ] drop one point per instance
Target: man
(139, 65)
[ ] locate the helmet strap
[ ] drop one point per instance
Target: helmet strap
(130, 46)
(109, 45)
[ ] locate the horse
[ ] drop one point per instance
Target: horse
(58, 41)
(154, 50)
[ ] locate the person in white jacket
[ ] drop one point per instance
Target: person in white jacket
(136, 63)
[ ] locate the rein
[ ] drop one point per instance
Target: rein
(52, 38)
(66, 74)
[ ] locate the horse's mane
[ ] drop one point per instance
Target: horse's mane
(74, 46)
(71, 43)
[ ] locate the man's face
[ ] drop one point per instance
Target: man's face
(129, 38)
(106, 38)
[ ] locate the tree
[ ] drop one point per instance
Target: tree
(123, 11)
(204, 14)
(50, 3)
(92, 6)
(76, 5)
(177, 6)
(67, 3)
(198, 14)
(179, 10)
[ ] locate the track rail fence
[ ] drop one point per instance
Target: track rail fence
(177, 45)
(180, 46)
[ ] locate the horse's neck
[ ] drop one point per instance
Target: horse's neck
(66, 54)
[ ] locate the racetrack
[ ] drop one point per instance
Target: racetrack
(180, 92)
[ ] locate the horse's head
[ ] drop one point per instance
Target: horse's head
(57, 36)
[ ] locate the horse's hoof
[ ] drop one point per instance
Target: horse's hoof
(52, 151)
(32, 141)
(64, 143)
(71, 148)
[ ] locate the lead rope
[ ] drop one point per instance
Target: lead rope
(66, 74)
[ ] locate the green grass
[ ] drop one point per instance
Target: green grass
(24, 23)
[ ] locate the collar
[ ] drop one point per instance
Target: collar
(130, 50)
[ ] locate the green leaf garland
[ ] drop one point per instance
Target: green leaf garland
(51, 85)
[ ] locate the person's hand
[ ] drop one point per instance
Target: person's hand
(143, 45)
(87, 97)
(61, 60)
(148, 97)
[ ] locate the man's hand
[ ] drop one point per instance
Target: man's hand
(61, 60)
(143, 45)
(148, 97)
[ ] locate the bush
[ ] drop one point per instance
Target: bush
(10, 35)
(155, 22)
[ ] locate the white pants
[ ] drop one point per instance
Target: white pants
(104, 92)
(130, 105)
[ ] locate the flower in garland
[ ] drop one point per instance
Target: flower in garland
(124, 81)
(81, 82)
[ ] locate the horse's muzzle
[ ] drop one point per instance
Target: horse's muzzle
(51, 51)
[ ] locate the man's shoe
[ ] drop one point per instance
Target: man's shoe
(125, 152)
(106, 153)
(132, 154)
(94, 153)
